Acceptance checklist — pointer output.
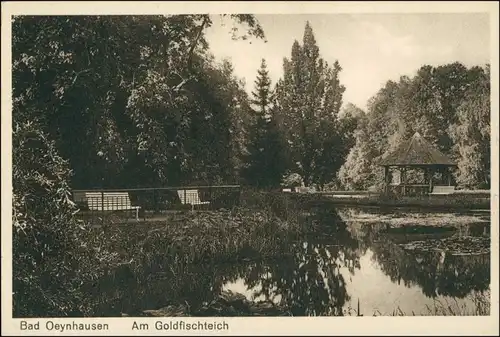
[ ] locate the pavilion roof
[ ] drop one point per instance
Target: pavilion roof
(416, 151)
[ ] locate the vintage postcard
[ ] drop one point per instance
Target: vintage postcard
(237, 168)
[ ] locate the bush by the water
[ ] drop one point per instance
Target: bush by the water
(50, 257)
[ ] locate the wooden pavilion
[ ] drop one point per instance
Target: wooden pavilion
(417, 153)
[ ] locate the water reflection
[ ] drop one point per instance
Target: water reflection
(336, 265)
(308, 281)
(321, 278)
(436, 273)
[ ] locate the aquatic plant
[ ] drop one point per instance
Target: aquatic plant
(478, 305)
(445, 202)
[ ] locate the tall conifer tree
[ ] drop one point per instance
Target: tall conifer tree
(265, 160)
(309, 99)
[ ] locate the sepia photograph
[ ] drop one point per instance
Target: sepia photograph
(225, 164)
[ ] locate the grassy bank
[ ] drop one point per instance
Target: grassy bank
(404, 217)
(196, 236)
(445, 202)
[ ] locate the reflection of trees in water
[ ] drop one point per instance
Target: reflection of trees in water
(309, 281)
(437, 273)
(462, 273)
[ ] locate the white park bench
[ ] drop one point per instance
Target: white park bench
(442, 190)
(110, 201)
(191, 197)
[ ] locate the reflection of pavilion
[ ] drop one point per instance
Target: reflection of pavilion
(420, 167)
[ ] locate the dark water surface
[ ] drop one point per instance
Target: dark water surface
(410, 262)
(388, 262)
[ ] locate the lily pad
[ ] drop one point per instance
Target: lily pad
(467, 245)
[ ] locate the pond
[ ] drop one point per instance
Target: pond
(351, 262)
(410, 263)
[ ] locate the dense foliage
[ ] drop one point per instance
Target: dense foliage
(41, 209)
(448, 105)
(131, 100)
(267, 151)
(53, 254)
(308, 99)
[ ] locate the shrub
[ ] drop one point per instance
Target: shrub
(50, 258)
(292, 180)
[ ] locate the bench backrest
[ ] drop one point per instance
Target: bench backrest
(443, 189)
(108, 200)
(189, 197)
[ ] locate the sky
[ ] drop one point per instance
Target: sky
(371, 48)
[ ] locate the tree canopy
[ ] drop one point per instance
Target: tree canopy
(309, 98)
(130, 96)
(266, 160)
(448, 105)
